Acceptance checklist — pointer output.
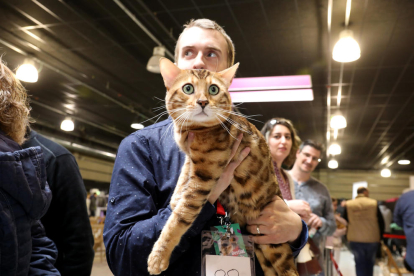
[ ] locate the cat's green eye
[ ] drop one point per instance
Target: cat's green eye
(188, 89)
(213, 89)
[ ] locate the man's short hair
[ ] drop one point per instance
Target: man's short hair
(312, 144)
(362, 190)
(205, 23)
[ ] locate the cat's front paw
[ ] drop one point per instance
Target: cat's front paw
(157, 262)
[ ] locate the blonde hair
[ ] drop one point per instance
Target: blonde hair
(267, 130)
(212, 25)
(14, 106)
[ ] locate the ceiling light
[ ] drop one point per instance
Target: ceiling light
(137, 126)
(404, 162)
(384, 160)
(67, 125)
(338, 122)
(154, 62)
(385, 173)
(346, 49)
(272, 96)
(27, 72)
(333, 164)
(334, 149)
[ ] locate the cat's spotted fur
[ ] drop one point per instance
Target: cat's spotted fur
(254, 184)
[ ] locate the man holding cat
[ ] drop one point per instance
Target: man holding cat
(147, 169)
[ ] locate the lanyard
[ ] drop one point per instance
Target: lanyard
(224, 218)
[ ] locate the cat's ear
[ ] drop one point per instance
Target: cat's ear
(169, 72)
(229, 73)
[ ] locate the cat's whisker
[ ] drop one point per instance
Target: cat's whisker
(159, 99)
(241, 115)
(172, 124)
(236, 124)
(224, 126)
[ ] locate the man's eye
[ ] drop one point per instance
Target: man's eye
(188, 53)
(212, 54)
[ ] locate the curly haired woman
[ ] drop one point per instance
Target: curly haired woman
(24, 193)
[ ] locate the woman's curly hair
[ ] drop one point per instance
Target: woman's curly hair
(14, 105)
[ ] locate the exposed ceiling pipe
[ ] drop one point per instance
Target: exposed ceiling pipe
(83, 149)
(104, 128)
(135, 19)
(53, 68)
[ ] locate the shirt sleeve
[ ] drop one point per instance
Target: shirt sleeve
(301, 241)
(328, 218)
(137, 211)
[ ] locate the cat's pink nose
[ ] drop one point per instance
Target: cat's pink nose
(202, 103)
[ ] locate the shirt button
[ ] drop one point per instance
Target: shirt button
(112, 200)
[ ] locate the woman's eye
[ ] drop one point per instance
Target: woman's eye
(288, 137)
(213, 90)
(188, 53)
(188, 89)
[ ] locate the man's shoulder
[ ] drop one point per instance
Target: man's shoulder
(153, 136)
(317, 182)
(50, 148)
(151, 131)
(407, 197)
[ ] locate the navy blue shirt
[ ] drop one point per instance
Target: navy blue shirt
(146, 171)
(404, 217)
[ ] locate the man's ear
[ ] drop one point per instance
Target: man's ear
(229, 73)
(169, 72)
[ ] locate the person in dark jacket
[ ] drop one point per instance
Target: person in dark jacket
(24, 193)
(146, 171)
(66, 222)
(404, 217)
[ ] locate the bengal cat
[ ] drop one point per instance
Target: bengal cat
(198, 101)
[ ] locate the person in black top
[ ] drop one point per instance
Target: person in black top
(66, 222)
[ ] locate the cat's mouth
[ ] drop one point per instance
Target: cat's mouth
(202, 113)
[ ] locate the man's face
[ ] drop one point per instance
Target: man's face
(308, 159)
(202, 49)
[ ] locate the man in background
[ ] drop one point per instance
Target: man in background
(66, 222)
(404, 217)
(365, 229)
(322, 220)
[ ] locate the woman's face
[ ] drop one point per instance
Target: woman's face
(280, 143)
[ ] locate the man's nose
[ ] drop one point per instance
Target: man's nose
(202, 103)
(199, 62)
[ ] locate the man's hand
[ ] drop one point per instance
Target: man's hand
(277, 222)
(228, 174)
(301, 208)
(315, 221)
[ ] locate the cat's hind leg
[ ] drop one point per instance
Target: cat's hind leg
(280, 257)
(266, 265)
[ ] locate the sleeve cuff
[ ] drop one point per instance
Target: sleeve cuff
(324, 224)
(300, 242)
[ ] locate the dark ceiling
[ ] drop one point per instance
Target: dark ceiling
(93, 57)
